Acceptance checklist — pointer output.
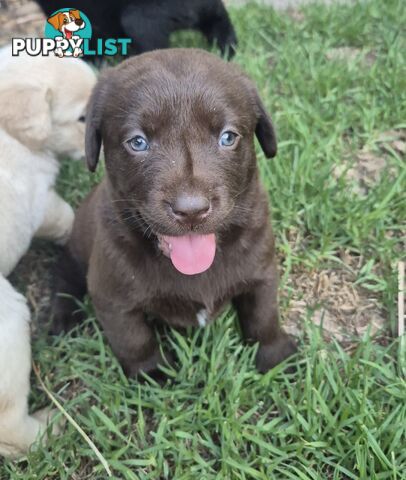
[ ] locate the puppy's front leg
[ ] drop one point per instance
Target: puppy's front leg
(259, 320)
(58, 220)
(131, 338)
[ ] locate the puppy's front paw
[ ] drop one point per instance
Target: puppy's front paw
(148, 366)
(272, 354)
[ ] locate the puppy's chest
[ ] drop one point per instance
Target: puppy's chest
(191, 301)
(182, 312)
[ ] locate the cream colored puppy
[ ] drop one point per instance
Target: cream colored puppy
(42, 107)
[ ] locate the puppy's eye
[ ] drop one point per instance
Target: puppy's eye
(228, 139)
(82, 118)
(65, 20)
(138, 144)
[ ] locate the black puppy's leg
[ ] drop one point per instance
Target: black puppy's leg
(259, 319)
(132, 340)
(217, 28)
(70, 286)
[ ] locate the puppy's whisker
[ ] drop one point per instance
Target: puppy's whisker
(240, 192)
(242, 209)
(123, 200)
(227, 213)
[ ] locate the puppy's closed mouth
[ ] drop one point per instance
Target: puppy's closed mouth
(190, 254)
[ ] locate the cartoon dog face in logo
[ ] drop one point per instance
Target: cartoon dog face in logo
(67, 23)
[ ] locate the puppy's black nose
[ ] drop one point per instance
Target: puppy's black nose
(78, 22)
(189, 208)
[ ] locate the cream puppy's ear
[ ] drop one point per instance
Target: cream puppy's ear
(25, 113)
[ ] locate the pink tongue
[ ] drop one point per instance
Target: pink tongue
(192, 254)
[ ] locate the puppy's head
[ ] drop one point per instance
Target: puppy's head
(69, 97)
(67, 22)
(45, 110)
(178, 130)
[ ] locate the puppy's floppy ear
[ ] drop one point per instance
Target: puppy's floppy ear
(94, 115)
(75, 13)
(26, 112)
(264, 130)
(56, 20)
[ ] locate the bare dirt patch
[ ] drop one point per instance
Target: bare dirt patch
(368, 164)
(350, 54)
(366, 170)
(296, 15)
(393, 140)
(332, 299)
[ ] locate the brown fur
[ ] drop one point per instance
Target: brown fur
(181, 100)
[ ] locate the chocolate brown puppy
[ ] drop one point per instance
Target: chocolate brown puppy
(179, 227)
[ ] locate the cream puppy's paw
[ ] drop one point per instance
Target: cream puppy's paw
(47, 417)
(66, 224)
(20, 433)
(58, 221)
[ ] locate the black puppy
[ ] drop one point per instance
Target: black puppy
(150, 22)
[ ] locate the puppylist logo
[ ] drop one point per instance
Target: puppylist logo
(67, 34)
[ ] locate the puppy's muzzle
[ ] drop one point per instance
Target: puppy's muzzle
(190, 209)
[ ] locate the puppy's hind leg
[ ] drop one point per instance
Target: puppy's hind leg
(70, 286)
(18, 430)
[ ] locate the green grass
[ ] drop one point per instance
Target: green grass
(342, 415)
